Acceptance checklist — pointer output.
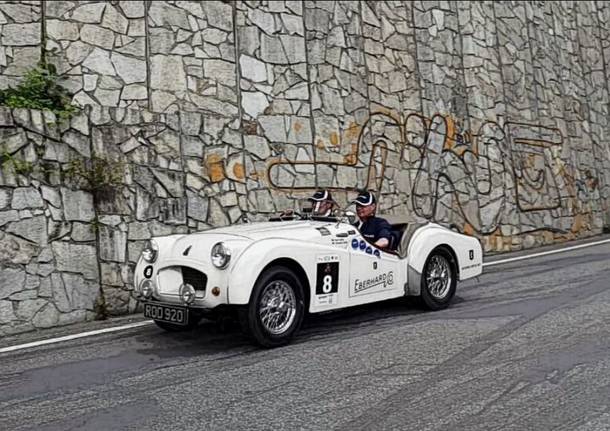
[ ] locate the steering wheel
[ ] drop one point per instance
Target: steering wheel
(292, 213)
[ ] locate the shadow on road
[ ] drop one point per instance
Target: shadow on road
(225, 335)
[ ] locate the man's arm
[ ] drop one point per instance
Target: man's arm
(384, 234)
(382, 243)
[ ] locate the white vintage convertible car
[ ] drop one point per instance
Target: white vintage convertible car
(272, 273)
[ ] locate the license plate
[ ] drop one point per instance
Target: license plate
(166, 313)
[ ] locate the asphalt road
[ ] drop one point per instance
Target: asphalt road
(524, 348)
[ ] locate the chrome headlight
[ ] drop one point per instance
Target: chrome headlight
(221, 255)
(150, 252)
(146, 288)
(187, 293)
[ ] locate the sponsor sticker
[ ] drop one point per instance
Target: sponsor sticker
(323, 231)
(355, 244)
(377, 282)
(328, 258)
(330, 299)
(338, 241)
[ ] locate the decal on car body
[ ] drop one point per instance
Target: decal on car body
(327, 279)
(323, 231)
(338, 241)
(364, 247)
(148, 271)
(380, 281)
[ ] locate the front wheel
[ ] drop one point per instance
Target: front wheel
(276, 309)
(439, 280)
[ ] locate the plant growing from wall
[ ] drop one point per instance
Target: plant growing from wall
(40, 90)
(97, 174)
(20, 167)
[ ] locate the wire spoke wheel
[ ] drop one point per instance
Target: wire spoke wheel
(439, 279)
(277, 307)
(438, 276)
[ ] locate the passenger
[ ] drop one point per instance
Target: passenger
(322, 204)
(374, 229)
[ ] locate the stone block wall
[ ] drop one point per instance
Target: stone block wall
(20, 39)
(49, 269)
(100, 49)
(491, 117)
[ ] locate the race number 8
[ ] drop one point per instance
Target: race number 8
(327, 278)
(327, 283)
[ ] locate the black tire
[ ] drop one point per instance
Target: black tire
(250, 319)
(436, 296)
(172, 327)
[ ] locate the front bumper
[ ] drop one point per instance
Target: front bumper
(168, 276)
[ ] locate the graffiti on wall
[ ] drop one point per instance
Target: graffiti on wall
(446, 173)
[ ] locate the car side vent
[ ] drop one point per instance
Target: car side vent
(195, 278)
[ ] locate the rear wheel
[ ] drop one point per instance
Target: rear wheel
(439, 279)
(276, 308)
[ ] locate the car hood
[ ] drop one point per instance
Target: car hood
(238, 237)
(296, 230)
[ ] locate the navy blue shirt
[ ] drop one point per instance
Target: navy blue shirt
(375, 228)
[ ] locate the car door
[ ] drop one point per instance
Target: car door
(374, 275)
(330, 279)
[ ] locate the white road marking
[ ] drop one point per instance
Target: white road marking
(74, 336)
(148, 322)
(544, 253)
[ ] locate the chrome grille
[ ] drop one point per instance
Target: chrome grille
(195, 278)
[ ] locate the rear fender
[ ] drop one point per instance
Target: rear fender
(466, 251)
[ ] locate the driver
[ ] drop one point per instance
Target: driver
(374, 229)
(322, 204)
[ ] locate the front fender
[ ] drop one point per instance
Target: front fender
(165, 245)
(259, 254)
